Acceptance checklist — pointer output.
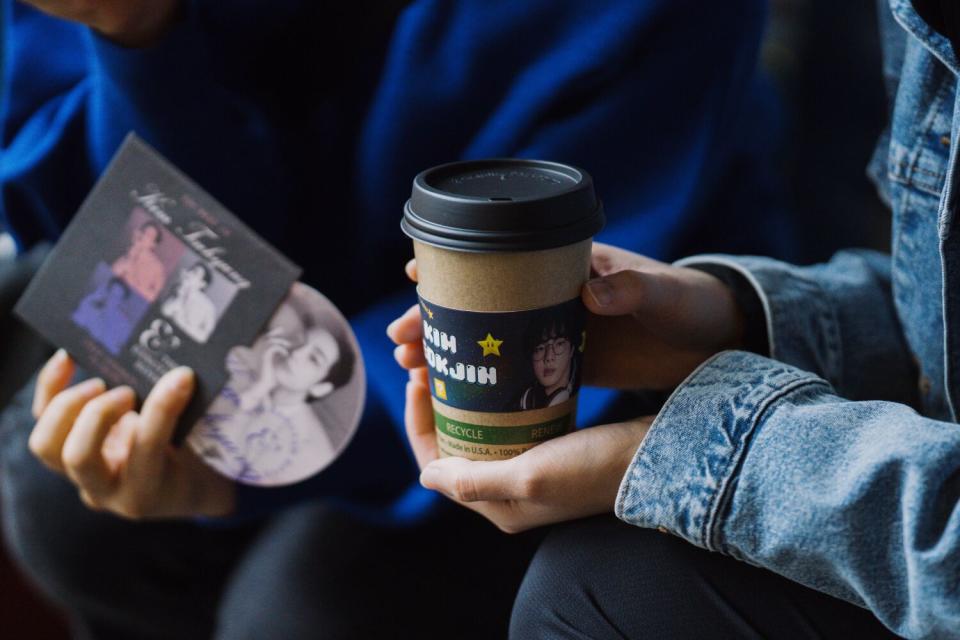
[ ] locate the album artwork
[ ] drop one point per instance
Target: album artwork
(153, 273)
(293, 399)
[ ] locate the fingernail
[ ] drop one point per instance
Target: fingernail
(396, 353)
(181, 379)
(391, 326)
(124, 391)
(600, 291)
(60, 357)
(429, 476)
(93, 385)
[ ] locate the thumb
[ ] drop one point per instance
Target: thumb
(630, 292)
(161, 411)
(471, 481)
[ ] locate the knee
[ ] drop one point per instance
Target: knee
(589, 575)
(554, 597)
(42, 517)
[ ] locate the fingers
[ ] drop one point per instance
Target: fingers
(606, 259)
(276, 347)
(421, 376)
(410, 356)
(625, 292)
(53, 378)
(626, 282)
(279, 342)
(158, 420)
(90, 502)
(418, 418)
(411, 269)
(472, 481)
(407, 328)
(656, 297)
(51, 431)
(407, 332)
(83, 458)
(117, 445)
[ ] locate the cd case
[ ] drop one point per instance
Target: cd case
(153, 273)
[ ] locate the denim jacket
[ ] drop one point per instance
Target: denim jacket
(836, 460)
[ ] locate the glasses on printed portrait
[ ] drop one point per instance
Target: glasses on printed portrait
(559, 347)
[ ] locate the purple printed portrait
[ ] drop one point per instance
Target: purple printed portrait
(110, 310)
(149, 255)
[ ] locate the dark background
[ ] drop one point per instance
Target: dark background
(824, 58)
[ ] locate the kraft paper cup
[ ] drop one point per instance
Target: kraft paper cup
(502, 249)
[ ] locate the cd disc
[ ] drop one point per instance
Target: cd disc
(293, 399)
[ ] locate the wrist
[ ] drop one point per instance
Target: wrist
(744, 314)
(636, 430)
(736, 336)
(218, 498)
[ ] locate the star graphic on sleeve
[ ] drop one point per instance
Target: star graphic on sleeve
(490, 345)
(427, 309)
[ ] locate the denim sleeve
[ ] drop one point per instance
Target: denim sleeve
(835, 319)
(763, 461)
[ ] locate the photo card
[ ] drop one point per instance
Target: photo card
(153, 273)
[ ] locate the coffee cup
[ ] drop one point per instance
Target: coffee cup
(502, 249)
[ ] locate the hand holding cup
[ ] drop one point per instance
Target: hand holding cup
(650, 324)
(572, 476)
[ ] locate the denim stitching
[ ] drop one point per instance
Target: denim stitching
(722, 496)
(716, 502)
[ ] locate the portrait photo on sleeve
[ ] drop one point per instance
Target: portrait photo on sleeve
(293, 399)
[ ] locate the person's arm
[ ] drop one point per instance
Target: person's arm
(121, 266)
(207, 320)
(835, 319)
(154, 282)
(170, 306)
(763, 461)
(749, 456)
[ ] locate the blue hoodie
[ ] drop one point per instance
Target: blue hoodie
(310, 122)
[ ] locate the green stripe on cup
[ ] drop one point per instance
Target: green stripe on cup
(485, 434)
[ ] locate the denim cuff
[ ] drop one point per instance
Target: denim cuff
(802, 325)
(683, 472)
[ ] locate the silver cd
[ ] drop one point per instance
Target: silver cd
(293, 399)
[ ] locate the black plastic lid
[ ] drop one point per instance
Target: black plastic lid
(502, 205)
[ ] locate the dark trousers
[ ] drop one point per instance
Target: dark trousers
(314, 572)
(311, 572)
(601, 578)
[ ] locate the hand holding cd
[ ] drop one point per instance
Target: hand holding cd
(120, 460)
